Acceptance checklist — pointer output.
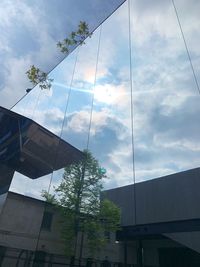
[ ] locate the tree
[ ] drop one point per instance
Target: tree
(75, 38)
(37, 76)
(79, 199)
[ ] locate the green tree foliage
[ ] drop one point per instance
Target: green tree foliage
(75, 38)
(78, 197)
(37, 76)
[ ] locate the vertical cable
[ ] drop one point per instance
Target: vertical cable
(65, 113)
(36, 104)
(94, 85)
(25, 107)
(186, 47)
(132, 111)
(89, 131)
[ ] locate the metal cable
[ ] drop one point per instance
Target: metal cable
(89, 129)
(36, 104)
(186, 47)
(94, 85)
(61, 132)
(132, 111)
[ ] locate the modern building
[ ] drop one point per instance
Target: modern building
(161, 220)
(160, 227)
(160, 223)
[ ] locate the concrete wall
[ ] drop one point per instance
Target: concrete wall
(170, 198)
(20, 224)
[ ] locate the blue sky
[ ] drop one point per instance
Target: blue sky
(166, 100)
(30, 31)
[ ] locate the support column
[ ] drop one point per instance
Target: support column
(125, 253)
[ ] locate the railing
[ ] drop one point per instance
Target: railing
(12, 257)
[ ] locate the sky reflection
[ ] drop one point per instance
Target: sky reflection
(165, 98)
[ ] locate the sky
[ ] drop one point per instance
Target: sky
(165, 97)
(30, 31)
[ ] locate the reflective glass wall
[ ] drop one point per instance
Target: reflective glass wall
(130, 95)
(164, 105)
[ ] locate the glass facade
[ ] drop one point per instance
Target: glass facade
(96, 80)
(130, 95)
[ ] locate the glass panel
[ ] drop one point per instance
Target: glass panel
(30, 33)
(165, 95)
(189, 20)
(165, 106)
(76, 123)
(110, 135)
(165, 118)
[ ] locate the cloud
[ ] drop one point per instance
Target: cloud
(29, 187)
(109, 142)
(30, 32)
(25, 38)
(165, 98)
(78, 122)
(170, 139)
(180, 124)
(15, 72)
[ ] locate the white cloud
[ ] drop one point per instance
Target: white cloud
(80, 121)
(17, 17)
(14, 81)
(29, 187)
(166, 114)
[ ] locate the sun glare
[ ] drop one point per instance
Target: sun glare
(105, 94)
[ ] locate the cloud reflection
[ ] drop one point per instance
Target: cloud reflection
(166, 102)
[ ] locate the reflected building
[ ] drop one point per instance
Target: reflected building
(30, 149)
(164, 233)
(27, 223)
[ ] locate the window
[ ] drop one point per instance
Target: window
(47, 220)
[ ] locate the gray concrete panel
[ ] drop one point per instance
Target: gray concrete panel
(123, 197)
(171, 198)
